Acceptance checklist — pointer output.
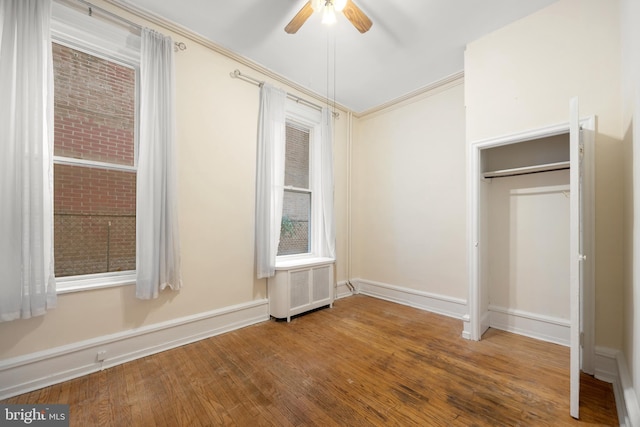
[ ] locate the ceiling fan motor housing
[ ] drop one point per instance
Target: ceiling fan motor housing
(338, 5)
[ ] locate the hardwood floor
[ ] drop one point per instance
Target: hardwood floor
(363, 362)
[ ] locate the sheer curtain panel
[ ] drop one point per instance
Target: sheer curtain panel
(328, 232)
(27, 286)
(269, 178)
(157, 234)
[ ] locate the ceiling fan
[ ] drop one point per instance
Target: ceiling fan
(329, 9)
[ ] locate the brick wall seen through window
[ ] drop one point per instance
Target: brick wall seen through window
(94, 201)
(296, 212)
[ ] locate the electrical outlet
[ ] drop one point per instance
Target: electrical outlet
(102, 355)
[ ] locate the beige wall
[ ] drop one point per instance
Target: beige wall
(526, 271)
(217, 122)
(522, 76)
(630, 14)
(409, 195)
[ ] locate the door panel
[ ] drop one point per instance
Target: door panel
(576, 257)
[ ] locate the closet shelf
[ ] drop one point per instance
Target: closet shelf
(527, 169)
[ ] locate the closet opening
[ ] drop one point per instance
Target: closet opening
(524, 228)
(531, 238)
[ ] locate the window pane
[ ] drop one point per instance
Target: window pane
(294, 232)
(94, 220)
(296, 167)
(94, 107)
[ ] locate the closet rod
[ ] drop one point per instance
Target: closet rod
(91, 8)
(236, 74)
(525, 170)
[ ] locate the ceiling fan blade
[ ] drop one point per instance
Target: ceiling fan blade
(357, 17)
(294, 25)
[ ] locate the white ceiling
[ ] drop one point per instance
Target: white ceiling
(412, 43)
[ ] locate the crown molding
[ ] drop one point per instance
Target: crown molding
(428, 90)
(182, 31)
(142, 13)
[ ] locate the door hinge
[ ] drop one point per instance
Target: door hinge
(581, 339)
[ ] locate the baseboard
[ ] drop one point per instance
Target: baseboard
(447, 306)
(606, 364)
(466, 327)
(545, 328)
(611, 366)
(343, 290)
(33, 371)
(485, 322)
(630, 396)
(484, 325)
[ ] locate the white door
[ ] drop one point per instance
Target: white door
(576, 253)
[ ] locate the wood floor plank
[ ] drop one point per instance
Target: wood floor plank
(364, 362)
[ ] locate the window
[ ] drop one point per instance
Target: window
(95, 74)
(301, 232)
(294, 153)
(297, 199)
(94, 164)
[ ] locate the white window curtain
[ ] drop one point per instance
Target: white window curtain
(326, 186)
(27, 286)
(269, 178)
(157, 234)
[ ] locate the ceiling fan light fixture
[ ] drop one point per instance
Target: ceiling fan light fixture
(338, 5)
(328, 15)
(329, 8)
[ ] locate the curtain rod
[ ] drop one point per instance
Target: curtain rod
(91, 8)
(236, 74)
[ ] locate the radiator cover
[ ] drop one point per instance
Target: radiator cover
(296, 289)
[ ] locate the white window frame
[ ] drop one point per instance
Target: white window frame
(73, 28)
(307, 118)
(308, 190)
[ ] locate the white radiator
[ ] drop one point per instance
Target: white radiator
(298, 288)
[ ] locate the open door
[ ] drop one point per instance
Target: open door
(576, 253)
(581, 235)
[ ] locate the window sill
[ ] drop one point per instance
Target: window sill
(65, 285)
(291, 263)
